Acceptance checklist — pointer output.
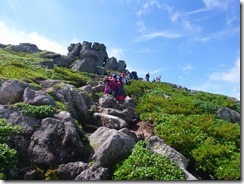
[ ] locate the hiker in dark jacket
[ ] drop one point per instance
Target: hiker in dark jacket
(147, 77)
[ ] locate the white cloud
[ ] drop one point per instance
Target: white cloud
(163, 34)
(9, 35)
(147, 6)
(226, 82)
(223, 4)
(232, 75)
(116, 52)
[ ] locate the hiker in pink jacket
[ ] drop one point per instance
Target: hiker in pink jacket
(114, 87)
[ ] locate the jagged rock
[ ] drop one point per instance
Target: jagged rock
(74, 103)
(86, 46)
(11, 91)
(74, 49)
(126, 115)
(109, 121)
(121, 66)
(37, 98)
(95, 172)
(24, 47)
(63, 61)
(50, 55)
(85, 65)
(56, 142)
(91, 54)
(157, 145)
(87, 88)
(228, 114)
(107, 101)
(71, 170)
(111, 63)
(101, 70)
(99, 88)
(110, 146)
(87, 98)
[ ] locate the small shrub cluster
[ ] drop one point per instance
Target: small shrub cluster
(41, 111)
(8, 156)
(144, 164)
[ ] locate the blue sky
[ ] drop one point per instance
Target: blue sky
(192, 43)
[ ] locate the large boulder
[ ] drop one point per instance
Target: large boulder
(121, 66)
(71, 170)
(95, 172)
(11, 91)
(110, 146)
(74, 49)
(63, 61)
(111, 63)
(37, 98)
(228, 114)
(56, 142)
(85, 65)
(109, 121)
(74, 103)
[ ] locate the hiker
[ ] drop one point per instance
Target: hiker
(123, 78)
(115, 88)
(147, 77)
(158, 78)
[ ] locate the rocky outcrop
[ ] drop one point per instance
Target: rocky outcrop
(24, 47)
(93, 58)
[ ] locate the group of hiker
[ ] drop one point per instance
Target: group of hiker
(114, 83)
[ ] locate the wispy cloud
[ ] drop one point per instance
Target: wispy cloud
(232, 75)
(9, 35)
(140, 26)
(147, 6)
(222, 34)
(162, 34)
(116, 52)
(223, 4)
(225, 82)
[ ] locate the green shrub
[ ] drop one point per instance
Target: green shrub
(144, 164)
(41, 111)
(8, 156)
(207, 141)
